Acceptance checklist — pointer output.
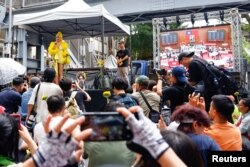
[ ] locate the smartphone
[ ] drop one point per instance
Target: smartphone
(107, 126)
(17, 118)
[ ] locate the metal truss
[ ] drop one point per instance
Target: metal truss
(156, 43)
(236, 40)
(196, 17)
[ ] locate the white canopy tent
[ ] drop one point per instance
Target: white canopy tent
(74, 19)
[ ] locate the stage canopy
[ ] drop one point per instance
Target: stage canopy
(74, 19)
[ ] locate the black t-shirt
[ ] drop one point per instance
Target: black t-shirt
(175, 95)
(80, 98)
(121, 54)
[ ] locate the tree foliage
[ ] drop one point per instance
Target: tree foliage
(246, 27)
(245, 43)
(142, 41)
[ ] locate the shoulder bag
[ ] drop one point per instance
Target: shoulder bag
(31, 122)
(154, 115)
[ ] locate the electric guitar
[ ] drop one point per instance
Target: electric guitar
(119, 62)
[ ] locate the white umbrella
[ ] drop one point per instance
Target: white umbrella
(9, 69)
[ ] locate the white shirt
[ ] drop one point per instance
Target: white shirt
(39, 132)
(46, 90)
(244, 123)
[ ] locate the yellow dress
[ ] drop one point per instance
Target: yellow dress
(59, 54)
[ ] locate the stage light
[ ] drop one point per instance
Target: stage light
(206, 18)
(178, 21)
(192, 19)
(222, 15)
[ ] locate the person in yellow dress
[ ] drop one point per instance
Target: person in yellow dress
(59, 52)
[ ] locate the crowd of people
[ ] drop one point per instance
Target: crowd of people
(199, 120)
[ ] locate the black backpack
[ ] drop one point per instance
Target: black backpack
(222, 79)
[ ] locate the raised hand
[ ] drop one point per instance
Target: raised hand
(59, 143)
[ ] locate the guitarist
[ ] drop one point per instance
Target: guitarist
(123, 61)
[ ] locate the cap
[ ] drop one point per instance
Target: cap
(142, 79)
(179, 73)
(185, 54)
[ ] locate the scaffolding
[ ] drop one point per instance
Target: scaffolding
(230, 15)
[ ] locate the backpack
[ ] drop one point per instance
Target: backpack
(71, 106)
(222, 79)
(125, 99)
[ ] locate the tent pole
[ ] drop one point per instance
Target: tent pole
(131, 56)
(102, 67)
(9, 44)
(102, 38)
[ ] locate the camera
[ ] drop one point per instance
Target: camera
(160, 71)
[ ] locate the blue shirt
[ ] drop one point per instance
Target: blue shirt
(205, 144)
(10, 99)
(25, 99)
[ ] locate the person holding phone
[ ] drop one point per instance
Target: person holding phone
(70, 88)
(109, 152)
(56, 110)
(44, 155)
(177, 93)
(147, 139)
(11, 131)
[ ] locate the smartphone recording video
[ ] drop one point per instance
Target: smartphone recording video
(107, 126)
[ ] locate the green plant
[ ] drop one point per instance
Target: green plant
(245, 43)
